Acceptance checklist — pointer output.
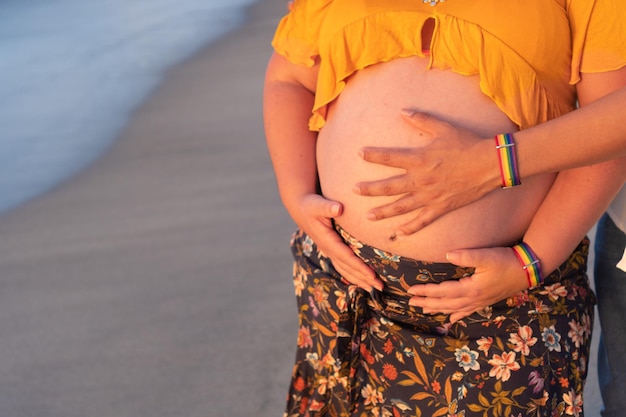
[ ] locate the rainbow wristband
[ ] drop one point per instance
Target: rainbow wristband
(530, 263)
(509, 172)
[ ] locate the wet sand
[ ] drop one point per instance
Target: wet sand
(158, 281)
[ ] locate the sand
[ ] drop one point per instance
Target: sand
(157, 281)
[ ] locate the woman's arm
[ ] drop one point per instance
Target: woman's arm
(576, 200)
(287, 103)
(579, 196)
(459, 167)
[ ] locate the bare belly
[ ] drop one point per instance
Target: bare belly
(367, 113)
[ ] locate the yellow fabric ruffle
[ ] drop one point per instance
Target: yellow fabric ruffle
(528, 93)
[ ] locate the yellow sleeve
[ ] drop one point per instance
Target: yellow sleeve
(598, 36)
(297, 35)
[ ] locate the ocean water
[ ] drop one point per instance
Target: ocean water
(71, 71)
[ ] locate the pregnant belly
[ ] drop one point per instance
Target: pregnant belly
(367, 113)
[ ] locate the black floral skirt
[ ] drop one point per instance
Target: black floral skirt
(362, 354)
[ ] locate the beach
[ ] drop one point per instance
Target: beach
(157, 281)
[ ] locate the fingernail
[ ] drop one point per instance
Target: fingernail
(356, 189)
(407, 112)
(370, 215)
(336, 209)
(451, 257)
(361, 153)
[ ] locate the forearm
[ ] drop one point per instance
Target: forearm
(291, 146)
(588, 135)
(575, 202)
(591, 134)
(287, 106)
(287, 103)
(579, 196)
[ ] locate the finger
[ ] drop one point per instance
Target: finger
(332, 245)
(467, 257)
(389, 186)
(423, 121)
(322, 207)
(351, 267)
(442, 305)
(362, 280)
(401, 206)
(449, 290)
(359, 274)
(391, 157)
(427, 304)
(424, 217)
(459, 315)
(433, 304)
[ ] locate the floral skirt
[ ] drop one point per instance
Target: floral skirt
(362, 354)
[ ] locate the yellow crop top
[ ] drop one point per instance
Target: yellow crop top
(528, 54)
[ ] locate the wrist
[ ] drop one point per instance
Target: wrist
(293, 199)
(530, 263)
(489, 178)
(507, 160)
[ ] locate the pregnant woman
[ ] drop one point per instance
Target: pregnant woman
(342, 73)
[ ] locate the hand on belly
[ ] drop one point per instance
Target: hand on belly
(368, 113)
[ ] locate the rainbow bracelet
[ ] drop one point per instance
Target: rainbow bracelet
(530, 263)
(509, 172)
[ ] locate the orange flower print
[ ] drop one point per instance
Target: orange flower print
(304, 405)
(523, 340)
(328, 359)
(321, 297)
(499, 320)
(518, 300)
(390, 372)
(371, 395)
(555, 291)
(299, 283)
(587, 324)
(373, 325)
(540, 307)
(576, 333)
(573, 403)
(304, 338)
(299, 384)
(366, 355)
(436, 386)
(323, 386)
(341, 302)
(528, 357)
(388, 348)
(484, 344)
(503, 365)
(316, 405)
